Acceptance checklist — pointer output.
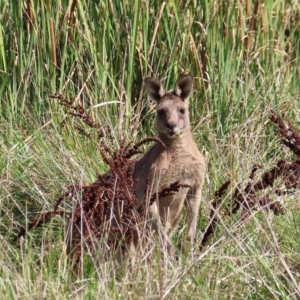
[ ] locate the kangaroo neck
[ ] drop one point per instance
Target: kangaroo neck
(176, 142)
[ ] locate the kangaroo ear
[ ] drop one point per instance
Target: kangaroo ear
(154, 88)
(184, 86)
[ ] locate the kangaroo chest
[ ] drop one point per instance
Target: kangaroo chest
(159, 168)
(169, 168)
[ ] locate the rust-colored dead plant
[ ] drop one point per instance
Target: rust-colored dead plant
(111, 196)
(251, 197)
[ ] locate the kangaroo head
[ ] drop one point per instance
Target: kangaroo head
(172, 114)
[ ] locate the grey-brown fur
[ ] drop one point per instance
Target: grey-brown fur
(179, 161)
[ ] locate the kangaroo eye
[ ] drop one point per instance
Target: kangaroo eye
(182, 111)
(161, 112)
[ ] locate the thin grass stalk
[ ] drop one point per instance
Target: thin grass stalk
(71, 19)
(53, 43)
(29, 12)
(131, 54)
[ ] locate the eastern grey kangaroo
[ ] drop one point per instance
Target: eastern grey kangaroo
(180, 160)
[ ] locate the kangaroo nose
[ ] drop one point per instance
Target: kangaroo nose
(171, 126)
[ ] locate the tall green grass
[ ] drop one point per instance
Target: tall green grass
(245, 59)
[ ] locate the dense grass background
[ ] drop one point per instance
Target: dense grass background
(245, 59)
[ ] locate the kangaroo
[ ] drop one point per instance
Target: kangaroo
(180, 160)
